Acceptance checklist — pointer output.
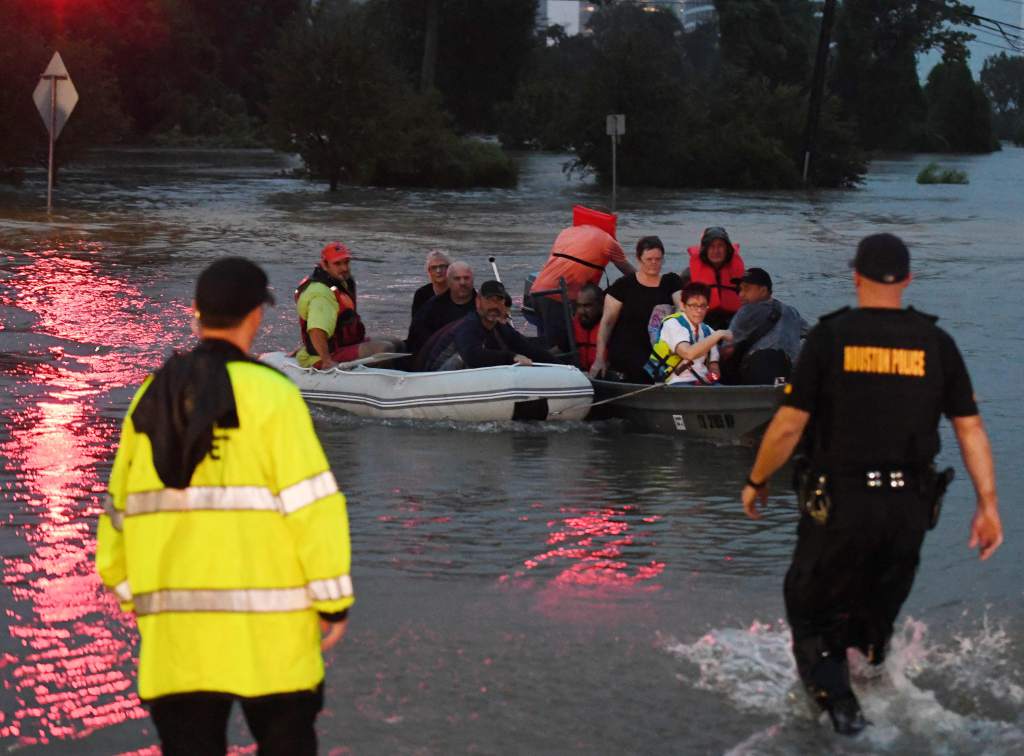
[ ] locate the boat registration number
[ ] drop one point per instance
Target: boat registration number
(716, 421)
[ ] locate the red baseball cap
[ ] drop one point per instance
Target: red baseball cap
(335, 251)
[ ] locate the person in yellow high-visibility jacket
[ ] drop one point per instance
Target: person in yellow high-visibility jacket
(225, 534)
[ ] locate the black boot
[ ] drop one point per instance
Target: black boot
(846, 716)
(826, 677)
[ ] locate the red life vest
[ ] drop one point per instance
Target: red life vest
(586, 342)
(348, 329)
(724, 294)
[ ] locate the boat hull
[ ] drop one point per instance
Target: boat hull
(507, 392)
(723, 413)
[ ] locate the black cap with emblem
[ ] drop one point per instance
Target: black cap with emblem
(883, 258)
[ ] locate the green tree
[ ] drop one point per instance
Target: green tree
(1002, 78)
(481, 47)
(543, 112)
(774, 38)
(733, 129)
(875, 70)
(959, 113)
(338, 102)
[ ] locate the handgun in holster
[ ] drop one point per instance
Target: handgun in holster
(812, 493)
(935, 484)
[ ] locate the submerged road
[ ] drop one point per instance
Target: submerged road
(559, 588)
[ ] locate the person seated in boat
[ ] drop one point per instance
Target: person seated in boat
(623, 343)
(331, 328)
(586, 323)
(686, 353)
(437, 271)
(716, 262)
(482, 339)
(579, 255)
(454, 303)
(766, 335)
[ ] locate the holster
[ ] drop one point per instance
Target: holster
(934, 484)
(812, 490)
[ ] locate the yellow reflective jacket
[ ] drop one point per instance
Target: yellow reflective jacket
(226, 577)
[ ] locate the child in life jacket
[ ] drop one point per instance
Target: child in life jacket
(686, 353)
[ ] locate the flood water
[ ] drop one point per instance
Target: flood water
(553, 588)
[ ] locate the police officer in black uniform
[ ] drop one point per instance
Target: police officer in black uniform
(868, 389)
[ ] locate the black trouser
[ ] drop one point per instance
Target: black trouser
(195, 724)
(552, 317)
(849, 578)
(760, 368)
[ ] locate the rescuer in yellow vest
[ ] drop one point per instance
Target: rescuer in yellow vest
(225, 534)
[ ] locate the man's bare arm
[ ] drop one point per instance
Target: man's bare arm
(319, 338)
(777, 446)
(986, 527)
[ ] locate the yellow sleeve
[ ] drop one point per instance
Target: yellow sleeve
(314, 508)
(110, 556)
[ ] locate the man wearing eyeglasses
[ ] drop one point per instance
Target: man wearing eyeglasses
(437, 271)
(455, 303)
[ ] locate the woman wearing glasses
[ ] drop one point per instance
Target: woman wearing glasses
(437, 272)
(692, 343)
(623, 343)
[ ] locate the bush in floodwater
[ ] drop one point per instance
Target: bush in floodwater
(933, 174)
(354, 118)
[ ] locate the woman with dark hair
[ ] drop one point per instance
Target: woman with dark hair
(623, 342)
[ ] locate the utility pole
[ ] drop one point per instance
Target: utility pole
(615, 127)
(818, 85)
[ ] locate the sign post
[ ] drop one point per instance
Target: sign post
(615, 127)
(55, 97)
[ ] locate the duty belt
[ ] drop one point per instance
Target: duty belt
(888, 478)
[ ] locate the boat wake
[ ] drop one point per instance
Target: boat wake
(964, 694)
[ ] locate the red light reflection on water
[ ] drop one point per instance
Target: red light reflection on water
(70, 665)
(594, 543)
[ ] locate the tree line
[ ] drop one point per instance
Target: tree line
(386, 91)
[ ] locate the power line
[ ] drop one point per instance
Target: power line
(998, 47)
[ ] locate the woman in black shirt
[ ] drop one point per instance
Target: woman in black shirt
(623, 342)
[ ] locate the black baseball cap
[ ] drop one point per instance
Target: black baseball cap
(232, 287)
(755, 276)
(883, 258)
(493, 289)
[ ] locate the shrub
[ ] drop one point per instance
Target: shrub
(933, 174)
(339, 103)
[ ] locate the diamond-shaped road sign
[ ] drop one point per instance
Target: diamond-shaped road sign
(55, 112)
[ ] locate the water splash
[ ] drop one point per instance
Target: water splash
(916, 703)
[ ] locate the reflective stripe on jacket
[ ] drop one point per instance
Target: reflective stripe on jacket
(226, 577)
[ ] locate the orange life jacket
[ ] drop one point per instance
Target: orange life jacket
(724, 294)
(348, 329)
(586, 342)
